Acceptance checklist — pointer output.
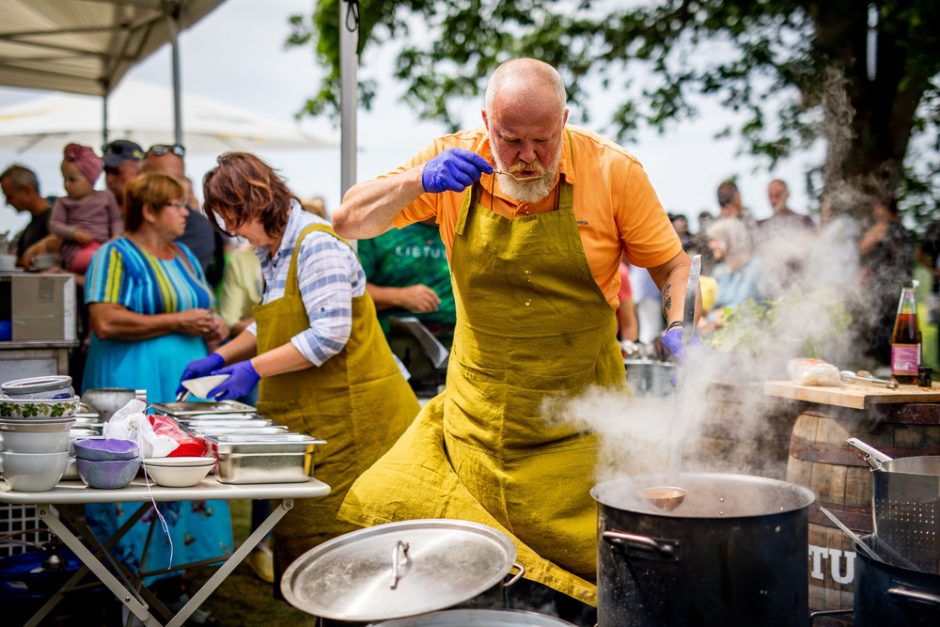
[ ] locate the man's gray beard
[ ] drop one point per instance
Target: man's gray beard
(530, 190)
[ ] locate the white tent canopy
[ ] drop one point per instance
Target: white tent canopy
(86, 46)
(142, 112)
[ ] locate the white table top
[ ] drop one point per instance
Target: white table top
(76, 492)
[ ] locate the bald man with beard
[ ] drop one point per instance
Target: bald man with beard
(534, 214)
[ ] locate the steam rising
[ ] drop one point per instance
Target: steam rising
(720, 419)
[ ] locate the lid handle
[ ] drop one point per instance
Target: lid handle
(401, 549)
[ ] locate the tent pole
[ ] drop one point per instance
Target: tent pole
(349, 90)
(104, 119)
(175, 61)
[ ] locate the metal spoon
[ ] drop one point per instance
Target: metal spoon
(512, 175)
(864, 376)
(854, 536)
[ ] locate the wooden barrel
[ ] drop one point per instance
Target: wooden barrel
(821, 460)
(741, 431)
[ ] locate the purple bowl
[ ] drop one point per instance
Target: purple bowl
(108, 475)
(106, 449)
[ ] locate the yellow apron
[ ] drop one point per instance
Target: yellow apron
(357, 401)
(531, 322)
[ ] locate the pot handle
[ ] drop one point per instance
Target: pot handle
(666, 548)
(515, 577)
(823, 613)
(916, 596)
(401, 548)
(875, 458)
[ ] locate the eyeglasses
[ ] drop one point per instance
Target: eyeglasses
(162, 149)
(179, 204)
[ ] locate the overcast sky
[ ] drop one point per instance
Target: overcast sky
(236, 55)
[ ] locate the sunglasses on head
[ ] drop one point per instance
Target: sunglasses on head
(162, 149)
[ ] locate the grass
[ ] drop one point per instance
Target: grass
(243, 598)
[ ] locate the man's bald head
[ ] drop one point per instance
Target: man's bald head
(168, 163)
(777, 194)
(527, 82)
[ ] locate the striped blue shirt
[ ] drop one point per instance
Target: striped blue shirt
(330, 276)
(124, 274)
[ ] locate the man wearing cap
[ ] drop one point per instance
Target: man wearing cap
(122, 161)
(200, 237)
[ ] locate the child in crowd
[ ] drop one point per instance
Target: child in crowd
(85, 218)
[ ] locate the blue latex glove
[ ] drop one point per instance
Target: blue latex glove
(672, 342)
(455, 169)
(241, 381)
(200, 368)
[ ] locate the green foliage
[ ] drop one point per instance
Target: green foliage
(736, 51)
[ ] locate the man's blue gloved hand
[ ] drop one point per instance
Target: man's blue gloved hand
(200, 368)
(454, 169)
(241, 381)
(672, 342)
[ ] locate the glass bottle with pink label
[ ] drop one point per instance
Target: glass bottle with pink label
(905, 341)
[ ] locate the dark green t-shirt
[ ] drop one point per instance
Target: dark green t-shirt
(409, 256)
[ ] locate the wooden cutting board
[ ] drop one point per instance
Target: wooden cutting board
(852, 395)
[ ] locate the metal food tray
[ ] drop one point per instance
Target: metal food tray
(264, 444)
(222, 416)
(265, 467)
(210, 407)
(269, 430)
(250, 423)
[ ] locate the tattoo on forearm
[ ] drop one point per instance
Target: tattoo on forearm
(667, 300)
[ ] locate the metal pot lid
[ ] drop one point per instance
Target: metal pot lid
(370, 575)
(35, 385)
(478, 618)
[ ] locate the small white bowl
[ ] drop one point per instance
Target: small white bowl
(7, 262)
(45, 261)
(178, 472)
(32, 442)
(33, 472)
(201, 386)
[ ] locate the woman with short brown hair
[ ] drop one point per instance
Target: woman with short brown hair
(149, 306)
(316, 346)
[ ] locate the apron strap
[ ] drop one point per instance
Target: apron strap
(469, 200)
(293, 284)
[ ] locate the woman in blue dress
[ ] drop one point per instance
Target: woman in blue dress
(149, 307)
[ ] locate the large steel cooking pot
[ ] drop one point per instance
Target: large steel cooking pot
(890, 596)
(732, 553)
(478, 618)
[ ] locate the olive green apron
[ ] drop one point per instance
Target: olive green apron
(531, 323)
(358, 401)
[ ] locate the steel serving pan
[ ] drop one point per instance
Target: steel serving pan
(210, 407)
(197, 423)
(264, 444)
(398, 569)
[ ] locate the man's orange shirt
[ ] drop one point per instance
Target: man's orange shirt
(615, 206)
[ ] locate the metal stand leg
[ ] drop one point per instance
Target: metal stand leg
(104, 551)
(49, 516)
(225, 569)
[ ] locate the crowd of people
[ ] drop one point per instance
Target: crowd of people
(735, 248)
(511, 243)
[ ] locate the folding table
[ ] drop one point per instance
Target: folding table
(122, 582)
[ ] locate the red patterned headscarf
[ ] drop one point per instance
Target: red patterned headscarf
(85, 159)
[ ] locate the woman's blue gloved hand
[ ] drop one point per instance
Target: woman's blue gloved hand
(241, 381)
(200, 368)
(454, 169)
